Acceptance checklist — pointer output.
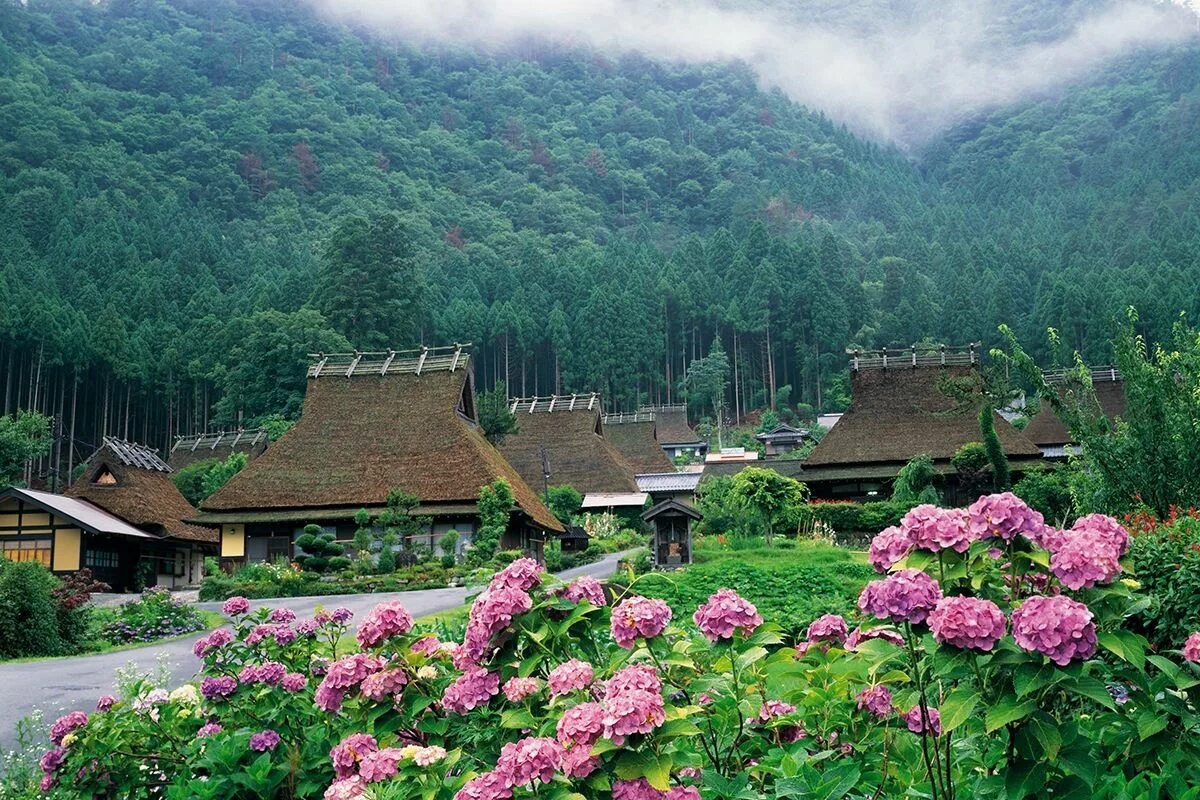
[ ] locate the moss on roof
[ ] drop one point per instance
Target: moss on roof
(576, 450)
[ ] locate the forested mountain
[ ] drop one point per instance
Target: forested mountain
(172, 173)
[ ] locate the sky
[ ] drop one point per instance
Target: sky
(895, 76)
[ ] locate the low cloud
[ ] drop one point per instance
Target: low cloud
(896, 76)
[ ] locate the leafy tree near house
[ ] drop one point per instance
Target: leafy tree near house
(914, 482)
(496, 501)
(1001, 476)
(189, 480)
(23, 437)
(495, 419)
(564, 501)
(222, 472)
(321, 552)
(973, 468)
(767, 494)
(708, 381)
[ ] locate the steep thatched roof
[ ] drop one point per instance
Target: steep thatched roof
(638, 444)
(132, 482)
(671, 425)
(220, 446)
(374, 424)
(573, 438)
(1047, 429)
(901, 411)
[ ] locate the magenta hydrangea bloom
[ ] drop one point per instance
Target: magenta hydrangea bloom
(522, 575)
(492, 612)
(1002, 516)
(346, 754)
(828, 628)
(932, 528)
(380, 765)
(726, 612)
(918, 722)
(774, 708)
(351, 788)
(635, 677)
(876, 700)
(581, 725)
(211, 643)
(1105, 528)
(1191, 648)
(889, 547)
(343, 675)
(271, 673)
(219, 688)
(905, 596)
(105, 702)
(531, 760)
(382, 623)
(1049, 538)
(235, 606)
(570, 676)
(640, 789)
(488, 786)
(208, 729)
(264, 741)
(385, 684)
(586, 589)
(639, 617)
(426, 645)
(632, 711)
(968, 623)
(293, 682)
(517, 689)
(859, 635)
(1085, 559)
(341, 615)
(282, 615)
(52, 759)
(248, 675)
(474, 688)
(578, 762)
(1055, 626)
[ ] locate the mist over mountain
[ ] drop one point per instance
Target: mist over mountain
(593, 195)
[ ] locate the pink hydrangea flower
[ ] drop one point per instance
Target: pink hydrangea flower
(282, 615)
(1057, 627)
(570, 676)
(211, 643)
(860, 635)
(428, 756)
(968, 623)
(517, 689)
(1191, 648)
(1049, 538)
(1003, 516)
(271, 673)
(522, 575)
(105, 702)
(876, 700)
(578, 762)
(248, 675)
(492, 612)
(931, 528)
(640, 789)
(918, 722)
(294, 682)
(905, 596)
(426, 645)
(307, 628)
(284, 635)
(382, 623)
(639, 617)
(380, 765)
(264, 741)
(235, 606)
(474, 688)
(343, 675)
(774, 708)
(581, 725)
(349, 788)
(632, 711)
(385, 684)
(533, 759)
(208, 729)
(346, 754)
(587, 589)
(724, 613)
(488, 786)
(219, 688)
(635, 677)
(889, 547)
(52, 759)
(828, 628)
(1085, 559)
(1105, 528)
(341, 615)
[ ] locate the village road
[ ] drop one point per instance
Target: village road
(60, 685)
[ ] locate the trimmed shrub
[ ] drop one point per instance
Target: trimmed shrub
(28, 613)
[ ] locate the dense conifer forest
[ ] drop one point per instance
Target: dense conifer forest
(191, 191)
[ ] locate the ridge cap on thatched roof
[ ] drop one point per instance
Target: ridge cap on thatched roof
(916, 355)
(132, 454)
(233, 439)
(623, 417)
(1056, 377)
(586, 401)
(388, 362)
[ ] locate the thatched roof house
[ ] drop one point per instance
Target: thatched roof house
(561, 441)
(123, 519)
(635, 437)
(674, 434)
(219, 446)
(905, 405)
(371, 423)
(1047, 429)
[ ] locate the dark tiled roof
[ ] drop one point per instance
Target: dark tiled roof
(143, 496)
(896, 414)
(638, 445)
(576, 449)
(387, 427)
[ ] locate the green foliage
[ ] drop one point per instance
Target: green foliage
(708, 380)
(1001, 477)
(29, 615)
(1048, 491)
(914, 482)
(1166, 561)
(23, 436)
(190, 479)
(222, 472)
(321, 552)
(972, 467)
(854, 520)
(564, 502)
(276, 425)
(495, 508)
(767, 494)
(721, 515)
(769, 421)
(154, 615)
(495, 419)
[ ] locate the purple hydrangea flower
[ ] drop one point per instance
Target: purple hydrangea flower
(1055, 626)
(905, 596)
(968, 623)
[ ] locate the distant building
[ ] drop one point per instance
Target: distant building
(827, 421)
(123, 519)
(784, 439)
(561, 441)
(219, 446)
(635, 437)
(727, 454)
(674, 434)
(671, 533)
(1047, 429)
(680, 486)
(371, 423)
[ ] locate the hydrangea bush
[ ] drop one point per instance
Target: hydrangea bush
(985, 664)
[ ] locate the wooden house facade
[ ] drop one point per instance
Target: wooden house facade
(372, 423)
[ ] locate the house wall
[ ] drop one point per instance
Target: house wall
(21, 523)
(233, 541)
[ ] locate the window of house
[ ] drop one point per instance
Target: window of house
(27, 550)
(101, 559)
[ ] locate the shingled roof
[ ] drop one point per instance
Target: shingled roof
(220, 446)
(374, 422)
(635, 438)
(671, 424)
(572, 434)
(1047, 429)
(898, 411)
(132, 482)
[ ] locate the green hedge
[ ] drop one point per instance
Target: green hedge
(1166, 561)
(851, 519)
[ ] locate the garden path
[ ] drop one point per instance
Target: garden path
(56, 686)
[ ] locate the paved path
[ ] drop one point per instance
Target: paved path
(66, 684)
